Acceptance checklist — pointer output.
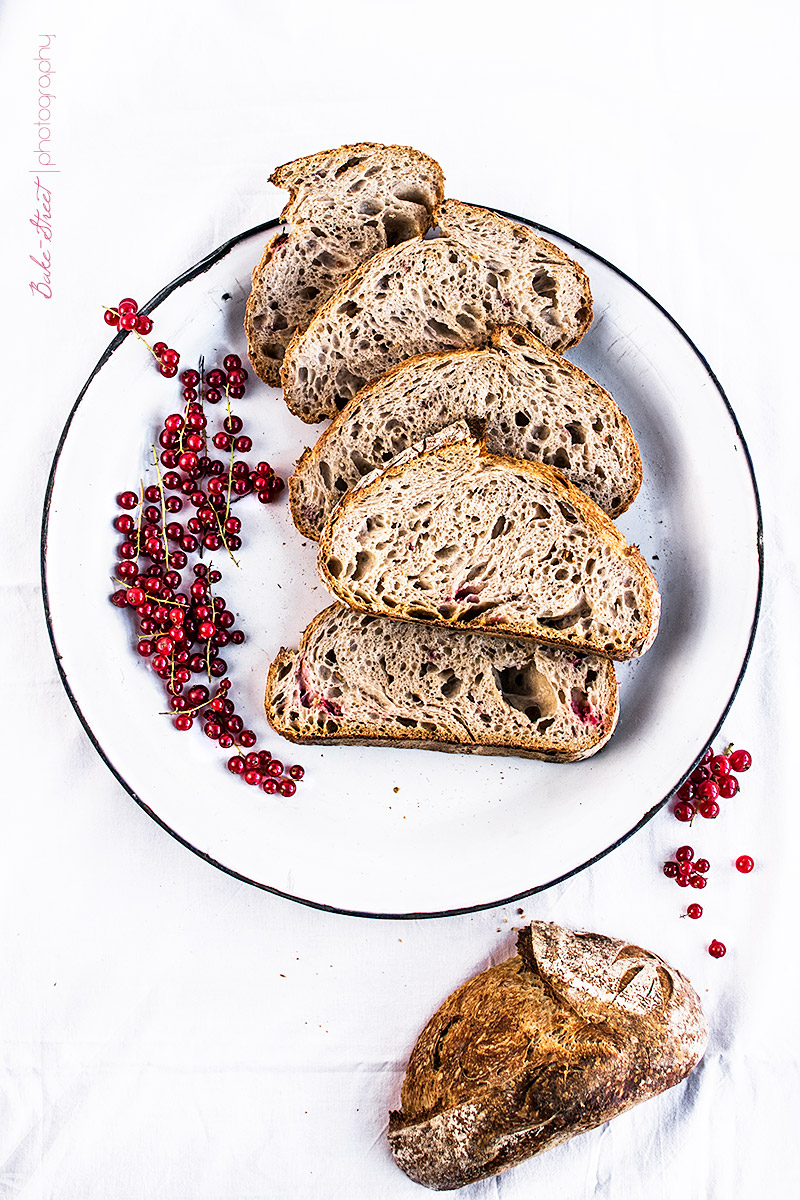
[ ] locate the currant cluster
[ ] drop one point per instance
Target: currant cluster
(687, 871)
(127, 316)
(713, 779)
(183, 623)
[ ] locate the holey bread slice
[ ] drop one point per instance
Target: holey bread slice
(364, 680)
(436, 293)
(345, 206)
(534, 404)
(456, 536)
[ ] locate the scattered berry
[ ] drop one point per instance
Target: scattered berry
(740, 760)
(717, 949)
(745, 864)
(694, 911)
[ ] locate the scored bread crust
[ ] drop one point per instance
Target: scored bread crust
(445, 292)
(345, 205)
(361, 680)
(573, 1030)
(535, 404)
(607, 603)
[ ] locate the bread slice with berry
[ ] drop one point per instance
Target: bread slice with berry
(370, 681)
(571, 1031)
(534, 405)
(345, 206)
(453, 535)
(445, 292)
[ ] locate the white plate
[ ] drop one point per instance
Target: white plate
(382, 832)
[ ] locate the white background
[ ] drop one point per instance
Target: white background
(166, 1031)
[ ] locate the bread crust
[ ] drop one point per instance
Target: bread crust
(573, 1030)
(600, 525)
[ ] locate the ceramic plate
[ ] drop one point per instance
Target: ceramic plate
(381, 832)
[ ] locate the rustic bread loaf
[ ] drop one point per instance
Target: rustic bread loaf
(453, 535)
(435, 293)
(366, 680)
(572, 1031)
(345, 205)
(534, 404)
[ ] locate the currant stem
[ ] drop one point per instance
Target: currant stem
(163, 508)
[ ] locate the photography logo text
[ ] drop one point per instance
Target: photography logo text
(42, 219)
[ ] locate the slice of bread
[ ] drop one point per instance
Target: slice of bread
(345, 206)
(454, 535)
(364, 680)
(436, 293)
(534, 403)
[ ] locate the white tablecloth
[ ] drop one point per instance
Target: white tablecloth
(168, 1032)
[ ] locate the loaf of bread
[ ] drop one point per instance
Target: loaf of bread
(365, 680)
(435, 293)
(533, 404)
(345, 206)
(453, 535)
(572, 1031)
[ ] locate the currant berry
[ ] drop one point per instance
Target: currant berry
(708, 789)
(709, 809)
(745, 864)
(144, 325)
(741, 760)
(236, 765)
(184, 721)
(698, 881)
(275, 767)
(684, 811)
(127, 320)
(728, 786)
(702, 865)
(287, 787)
(270, 785)
(670, 868)
(111, 317)
(685, 792)
(694, 911)
(128, 305)
(720, 765)
(684, 854)
(717, 949)
(231, 362)
(127, 500)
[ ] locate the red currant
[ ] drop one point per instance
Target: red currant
(717, 949)
(684, 811)
(287, 787)
(684, 854)
(708, 789)
(709, 809)
(670, 870)
(111, 316)
(740, 760)
(144, 325)
(720, 765)
(728, 786)
(694, 911)
(702, 865)
(296, 772)
(236, 765)
(745, 864)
